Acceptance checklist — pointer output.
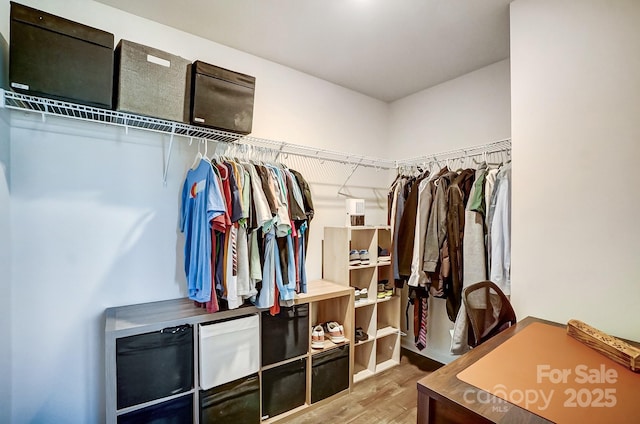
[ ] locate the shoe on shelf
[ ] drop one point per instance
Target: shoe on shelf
(388, 291)
(356, 296)
(383, 255)
(385, 289)
(335, 331)
(317, 337)
(354, 258)
(364, 257)
(360, 335)
(364, 295)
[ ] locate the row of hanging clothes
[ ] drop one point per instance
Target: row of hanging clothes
(246, 226)
(450, 229)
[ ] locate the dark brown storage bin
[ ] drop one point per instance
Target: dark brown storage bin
(54, 57)
(221, 98)
(283, 388)
(151, 82)
(329, 373)
(175, 411)
(154, 365)
(232, 403)
(285, 335)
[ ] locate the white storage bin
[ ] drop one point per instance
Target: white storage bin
(229, 350)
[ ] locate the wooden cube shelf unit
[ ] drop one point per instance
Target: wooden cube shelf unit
(378, 318)
(327, 302)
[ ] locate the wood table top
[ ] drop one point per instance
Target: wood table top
(444, 385)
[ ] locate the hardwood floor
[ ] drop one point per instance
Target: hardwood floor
(389, 397)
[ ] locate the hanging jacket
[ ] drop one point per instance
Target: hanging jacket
(307, 202)
(397, 209)
(437, 226)
(474, 257)
(407, 228)
(458, 194)
(501, 231)
(425, 199)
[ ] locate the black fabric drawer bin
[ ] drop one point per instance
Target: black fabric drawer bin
(151, 82)
(329, 373)
(283, 388)
(221, 98)
(154, 365)
(54, 57)
(233, 403)
(285, 335)
(175, 411)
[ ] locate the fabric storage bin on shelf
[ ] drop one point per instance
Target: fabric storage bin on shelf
(283, 388)
(221, 98)
(154, 365)
(329, 373)
(285, 335)
(229, 350)
(234, 402)
(151, 82)
(179, 410)
(54, 57)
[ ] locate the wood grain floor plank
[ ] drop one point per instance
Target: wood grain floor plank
(390, 397)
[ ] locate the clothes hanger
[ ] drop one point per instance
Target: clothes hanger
(205, 157)
(198, 158)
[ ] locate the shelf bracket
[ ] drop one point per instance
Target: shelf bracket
(166, 162)
(279, 152)
(353, 170)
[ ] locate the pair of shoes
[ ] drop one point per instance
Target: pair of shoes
(361, 336)
(383, 255)
(359, 257)
(334, 330)
(361, 294)
(384, 291)
(354, 258)
(317, 337)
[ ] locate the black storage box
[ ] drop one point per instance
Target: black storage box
(234, 402)
(151, 82)
(283, 388)
(175, 411)
(54, 57)
(221, 98)
(285, 335)
(329, 373)
(154, 365)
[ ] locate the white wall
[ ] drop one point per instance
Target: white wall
(470, 110)
(92, 226)
(5, 272)
(575, 79)
(5, 248)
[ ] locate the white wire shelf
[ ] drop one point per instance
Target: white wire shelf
(467, 152)
(51, 107)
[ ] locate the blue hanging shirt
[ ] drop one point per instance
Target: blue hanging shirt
(201, 202)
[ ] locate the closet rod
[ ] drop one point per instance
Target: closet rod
(493, 147)
(283, 149)
(50, 107)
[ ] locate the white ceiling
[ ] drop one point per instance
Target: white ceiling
(386, 49)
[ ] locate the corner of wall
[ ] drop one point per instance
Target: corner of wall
(5, 283)
(4, 62)
(6, 363)
(4, 113)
